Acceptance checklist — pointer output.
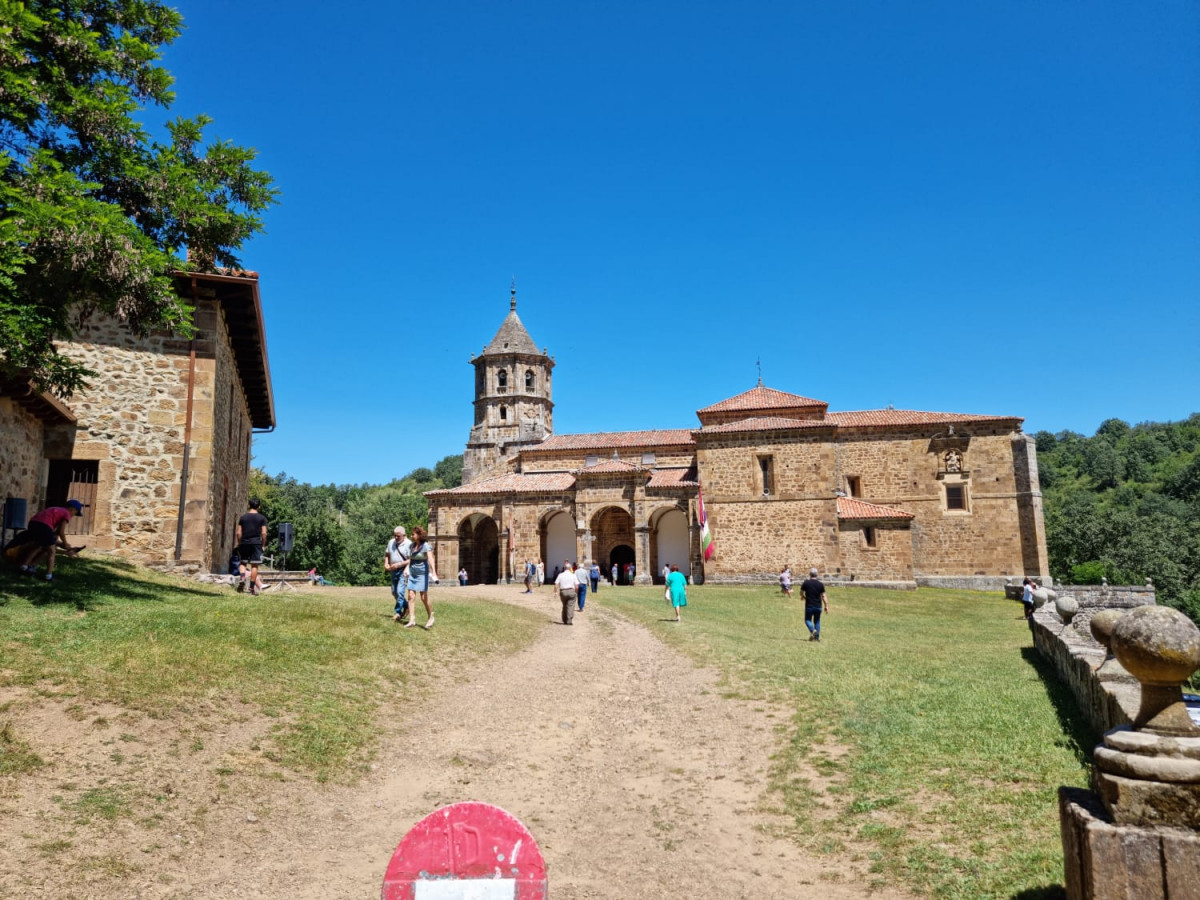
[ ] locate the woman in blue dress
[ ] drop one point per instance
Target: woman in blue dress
(677, 586)
(421, 569)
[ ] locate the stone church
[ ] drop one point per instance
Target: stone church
(876, 497)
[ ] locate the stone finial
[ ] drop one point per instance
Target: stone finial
(1066, 607)
(1041, 596)
(1160, 647)
(1102, 625)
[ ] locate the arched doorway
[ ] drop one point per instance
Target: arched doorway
(672, 543)
(621, 556)
(558, 541)
(612, 528)
(479, 549)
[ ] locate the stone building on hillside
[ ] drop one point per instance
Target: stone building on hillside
(887, 496)
(158, 447)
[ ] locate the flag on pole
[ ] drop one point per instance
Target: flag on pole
(706, 544)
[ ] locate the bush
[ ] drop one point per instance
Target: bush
(1087, 573)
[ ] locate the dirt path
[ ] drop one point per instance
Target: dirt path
(634, 774)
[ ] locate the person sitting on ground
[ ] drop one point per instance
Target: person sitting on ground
(47, 532)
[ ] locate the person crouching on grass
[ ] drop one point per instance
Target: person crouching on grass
(47, 532)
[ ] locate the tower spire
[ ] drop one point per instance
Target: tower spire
(512, 291)
(758, 362)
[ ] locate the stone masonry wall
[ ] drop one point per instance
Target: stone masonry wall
(889, 560)
(574, 460)
(903, 470)
(132, 420)
(228, 492)
(20, 454)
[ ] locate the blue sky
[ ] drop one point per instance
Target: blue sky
(989, 208)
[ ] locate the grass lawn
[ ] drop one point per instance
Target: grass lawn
(321, 662)
(956, 735)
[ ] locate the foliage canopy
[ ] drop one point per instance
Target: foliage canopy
(1124, 505)
(95, 215)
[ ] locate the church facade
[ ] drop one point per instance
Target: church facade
(877, 497)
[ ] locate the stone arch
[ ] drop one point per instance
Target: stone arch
(557, 538)
(614, 539)
(671, 541)
(479, 549)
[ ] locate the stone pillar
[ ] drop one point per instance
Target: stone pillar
(641, 551)
(1138, 836)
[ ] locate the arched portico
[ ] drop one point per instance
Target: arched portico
(671, 544)
(557, 539)
(614, 540)
(479, 549)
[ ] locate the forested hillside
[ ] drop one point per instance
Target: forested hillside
(1124, 504)
(342, 530)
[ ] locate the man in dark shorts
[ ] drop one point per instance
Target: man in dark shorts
(47, 531)
(814, 603)
(251, 537)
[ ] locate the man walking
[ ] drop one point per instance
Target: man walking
(251, 538)
(565, 584)
(530, 570)
(581, 580)
(814, 602)
(395, 563)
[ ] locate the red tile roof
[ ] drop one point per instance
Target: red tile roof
(761, 397)
(609, 440)
(609, 466)
(674, 478)
(853, 508)
(511, 484)
(765, 423)
(871, 417)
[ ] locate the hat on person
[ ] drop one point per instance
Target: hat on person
(77, 506)
(812, 571)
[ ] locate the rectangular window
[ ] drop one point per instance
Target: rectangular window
(766, 469)
(956, 496)
(869, 536)
(74, 479)
(854, 485)
(647, 459)
(591, 460)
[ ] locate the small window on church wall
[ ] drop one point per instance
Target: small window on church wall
(503, 413)
(647, 459)
(956, 497)
(502, 379)
(766, 468)
(591, 460)
(870, 537)
(854, 485)
(530, 380)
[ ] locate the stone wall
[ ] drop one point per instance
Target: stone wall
(132, 421)
(20, 455)
(228, 492)
(1109, 698)
(907, 470)
(889, 560)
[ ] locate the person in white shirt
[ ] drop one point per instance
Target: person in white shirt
(566, 583)
(395, 563)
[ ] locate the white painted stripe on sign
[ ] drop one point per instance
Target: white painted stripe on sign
(474, 889)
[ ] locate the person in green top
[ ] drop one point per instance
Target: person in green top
(677, 585)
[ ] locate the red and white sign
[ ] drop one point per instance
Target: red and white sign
(467, 851)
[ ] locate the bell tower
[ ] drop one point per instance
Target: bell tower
(513, 408)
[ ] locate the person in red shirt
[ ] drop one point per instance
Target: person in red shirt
(47, 531)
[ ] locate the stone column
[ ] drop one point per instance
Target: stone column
(1138, 836)
(641, 551)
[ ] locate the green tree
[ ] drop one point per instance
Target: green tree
(449, 471)
(95, 215)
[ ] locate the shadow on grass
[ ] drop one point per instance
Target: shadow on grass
(87, 584)
(1079, 736)
(1050, 892)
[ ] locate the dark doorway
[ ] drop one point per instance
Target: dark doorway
(621, 556)
(74, 479)
(479, 549)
